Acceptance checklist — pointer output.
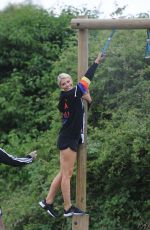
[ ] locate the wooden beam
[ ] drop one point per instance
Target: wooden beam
(142, 23)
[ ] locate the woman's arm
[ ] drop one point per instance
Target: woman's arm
(87, 97)
(85, 81)
(91, 71)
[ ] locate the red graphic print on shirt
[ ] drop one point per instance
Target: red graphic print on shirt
(66, 111)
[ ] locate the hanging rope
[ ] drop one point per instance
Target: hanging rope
(107, 43)
(147, 50)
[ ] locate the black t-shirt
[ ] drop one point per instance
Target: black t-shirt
(71, 106)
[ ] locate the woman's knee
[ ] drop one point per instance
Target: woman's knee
(67, 174)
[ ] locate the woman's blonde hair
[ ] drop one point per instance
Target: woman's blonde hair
(62, 76)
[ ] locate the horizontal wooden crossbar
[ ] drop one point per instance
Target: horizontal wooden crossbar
(79, 23)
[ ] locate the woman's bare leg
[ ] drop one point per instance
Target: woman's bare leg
(67, 161)
(55, 185)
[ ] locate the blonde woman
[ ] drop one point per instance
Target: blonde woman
(70, 136)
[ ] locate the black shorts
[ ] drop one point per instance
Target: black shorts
(66, 142)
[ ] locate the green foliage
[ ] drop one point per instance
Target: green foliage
(35, 47)
(32, 41)
(119, 150)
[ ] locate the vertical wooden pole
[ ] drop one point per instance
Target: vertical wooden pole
(82, 222)
(82, 152)
(1, 222)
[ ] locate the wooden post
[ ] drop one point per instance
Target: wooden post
(82, 222)
(82, 152)
(1, 222)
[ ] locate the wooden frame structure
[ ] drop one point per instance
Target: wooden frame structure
(83, 24)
